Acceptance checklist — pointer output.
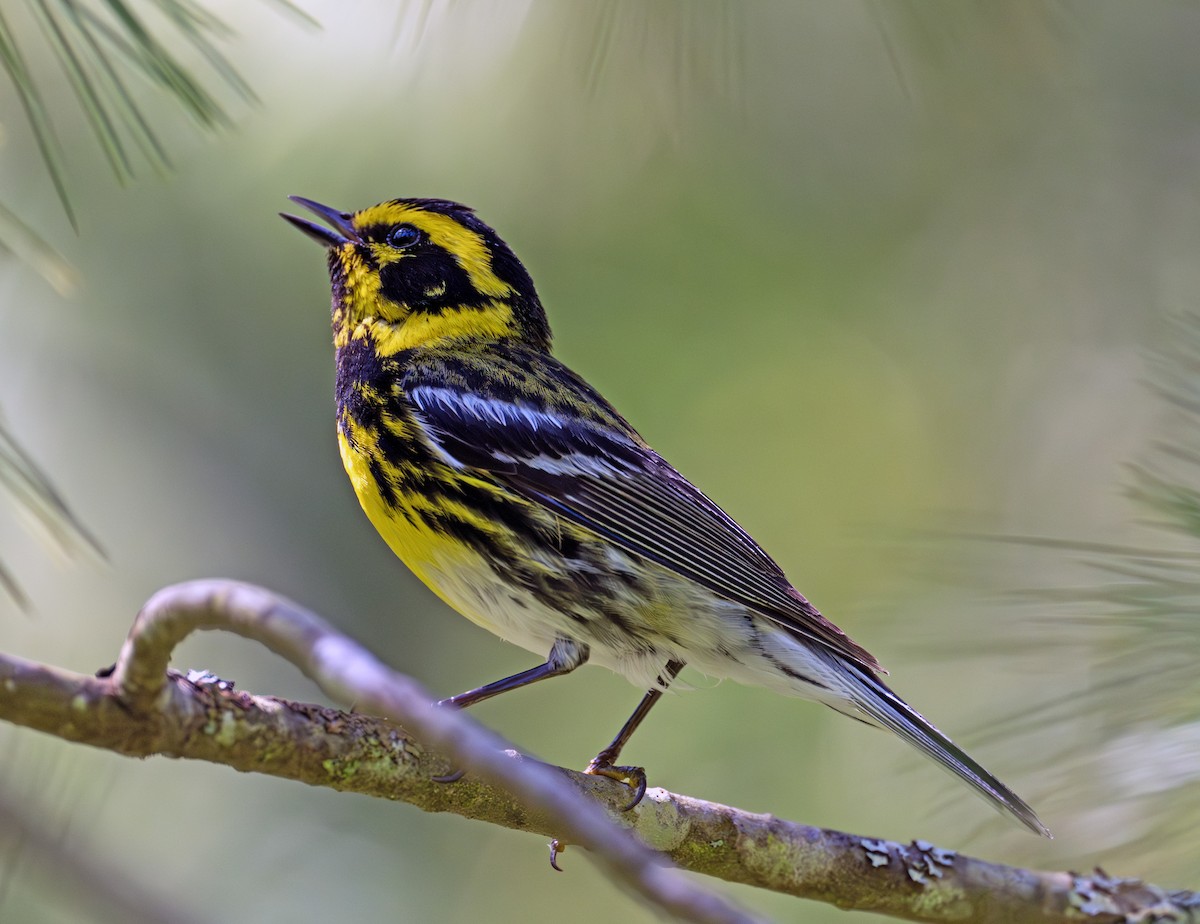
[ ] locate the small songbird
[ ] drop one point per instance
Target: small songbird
(527, 503)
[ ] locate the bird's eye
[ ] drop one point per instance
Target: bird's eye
(403, 236)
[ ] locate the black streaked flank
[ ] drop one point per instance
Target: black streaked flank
(464, 531)
(386, 484)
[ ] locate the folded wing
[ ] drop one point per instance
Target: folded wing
(598, 473)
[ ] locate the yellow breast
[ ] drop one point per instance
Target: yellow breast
(400, 524)
(454, 571)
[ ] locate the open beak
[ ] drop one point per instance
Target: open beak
(343, 230)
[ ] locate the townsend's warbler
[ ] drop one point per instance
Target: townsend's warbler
(527, 503)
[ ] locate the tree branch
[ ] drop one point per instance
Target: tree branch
(143, 709)
(350, 674)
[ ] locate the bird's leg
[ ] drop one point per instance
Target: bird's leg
(565, 655)
(604, 763)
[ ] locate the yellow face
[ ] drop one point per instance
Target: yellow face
(410, 272)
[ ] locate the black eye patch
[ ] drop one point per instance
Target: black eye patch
(429, 281)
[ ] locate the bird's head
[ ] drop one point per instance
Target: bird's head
(416, 272)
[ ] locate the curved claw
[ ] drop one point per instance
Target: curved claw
(633, 777)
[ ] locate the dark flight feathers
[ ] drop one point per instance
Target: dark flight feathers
(605, 478)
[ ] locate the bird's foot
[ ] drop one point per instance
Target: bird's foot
(633, 777)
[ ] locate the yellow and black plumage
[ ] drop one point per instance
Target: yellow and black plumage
(528, 504)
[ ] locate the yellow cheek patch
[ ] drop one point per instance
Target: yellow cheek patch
(489, 321)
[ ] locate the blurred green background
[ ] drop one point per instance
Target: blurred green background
(866, 272)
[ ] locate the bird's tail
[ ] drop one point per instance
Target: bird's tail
(883, 707)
